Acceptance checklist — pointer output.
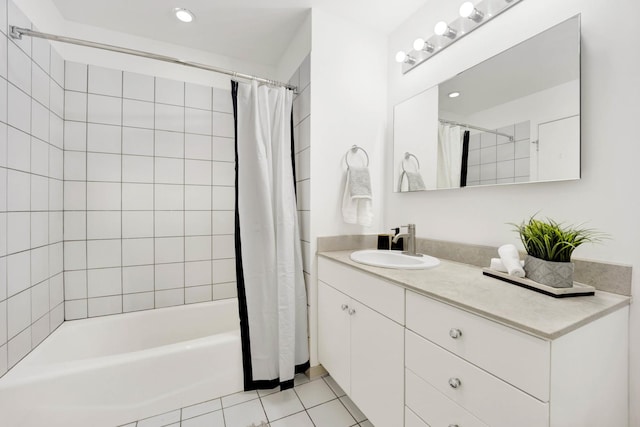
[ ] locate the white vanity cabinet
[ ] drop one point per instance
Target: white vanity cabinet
(361, 339)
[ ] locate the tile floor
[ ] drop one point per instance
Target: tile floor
(317, 403)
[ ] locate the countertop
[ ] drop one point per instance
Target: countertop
(464, 286)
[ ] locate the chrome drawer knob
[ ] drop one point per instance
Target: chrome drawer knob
(344, 307)
(455, 382)
(352, 311)
(455, 333)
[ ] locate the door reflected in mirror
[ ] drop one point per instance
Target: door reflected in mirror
(514, 118)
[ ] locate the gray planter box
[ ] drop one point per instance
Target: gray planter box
(556, 274)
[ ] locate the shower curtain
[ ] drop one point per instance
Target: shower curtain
(449, 156)
(271, 292)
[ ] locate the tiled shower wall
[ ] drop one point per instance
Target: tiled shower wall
(148, 192)
(493, 159)
(31, 168)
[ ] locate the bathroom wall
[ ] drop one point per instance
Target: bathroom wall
(149, 192)
(31, 159)
(606, 196)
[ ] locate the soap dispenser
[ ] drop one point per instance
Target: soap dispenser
(399, 245)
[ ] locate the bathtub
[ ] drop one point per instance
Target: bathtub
(111, 370)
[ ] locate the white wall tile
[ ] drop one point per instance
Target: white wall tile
(18, 272)
(169, 276)
(197, 172)
(225, 291)
(302, 105)
(197, 248)
(137, 169)
(522, 167)
(3, 190)
(224, 270)
(56, 164)
(487, 171)
(3, 144)
(223, 198)
(169, 91)
(39, 193)
(137, 224)
(197, 96)
(75, 225)
(104, 253)
(3, 285)
(56, 290)
(192, 295)
(75, 309)
(223, 246)
(4, 89)
(169, 117)
(40, 85)
(103, 196)
(197, 121)
(139, 114)
(169, 197)
(40, 301)
(137, 279)
(56, 227)
(136, 302)
(105, 81)
(169, 298)
(18, 150)
(138, 86)
(75, 255)
(56, 98)
(169, 144)
(19, 347)
(197, 223)
(3, 234)
(39, 330)
(197, 147)
(137, 252)
(3, 322)
(304, 195)
(137, 196)
(56, 259)
(75, 195)
(104, 109)
(103, 225)
(169, 223)
(75, 76)
(57, 67)
(18, 313)
(39, 265)
(104, 167)
(18, 191)
(56, 131)
(75, 165)
(3, 40)
(18, 231)
(19, 68)
(169, 249)
(223, 124)
(505, 151)
(137, 141)
(75, 136)
(105, 306)
(104, 282)
(104, 138)
(39, 157)
(505, 169)
(75, 285)
(222, 100)
(169, 171)
(197, 197)
(304, 223)
(303, 165)
(223, 222)
(75, 106)
(522, 149)
(40, 53)
(39, 229)
(198, 273)
(224, 173)
(223, 149)
(56, 317)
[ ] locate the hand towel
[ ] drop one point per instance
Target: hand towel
(356, 206)
(415, 182)
(511, 260)
(497, 265)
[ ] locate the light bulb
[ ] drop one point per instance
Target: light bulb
(454, 94)
(468, 10)
(401, 56)
(443, 29)
(422, 44)
(183, 14)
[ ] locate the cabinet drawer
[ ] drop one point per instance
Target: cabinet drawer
(384, 297)
(426, 403)
(518, 358)
(490, 399)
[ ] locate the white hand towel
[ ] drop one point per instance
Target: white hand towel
(359, 182)
(497, 265)
(511, 260)
(357, 208)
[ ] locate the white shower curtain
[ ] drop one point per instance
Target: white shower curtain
(449, 156)
(271, 291)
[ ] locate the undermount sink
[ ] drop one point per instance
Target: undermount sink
(394, 259)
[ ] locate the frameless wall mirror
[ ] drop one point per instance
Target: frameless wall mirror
(513, 118)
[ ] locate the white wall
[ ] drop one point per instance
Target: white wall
(606, 196)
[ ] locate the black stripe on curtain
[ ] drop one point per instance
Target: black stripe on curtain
(465, 159)
(249, 382)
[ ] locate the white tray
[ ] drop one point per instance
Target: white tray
(578, 289)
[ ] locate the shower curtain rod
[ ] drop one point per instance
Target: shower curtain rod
(18, 32)
(464, 125)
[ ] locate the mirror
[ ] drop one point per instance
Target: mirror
(515, 119)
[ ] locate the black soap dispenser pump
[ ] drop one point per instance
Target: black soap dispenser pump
(399, 245)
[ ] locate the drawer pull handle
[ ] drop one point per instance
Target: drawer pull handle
(345, 307)
(352, 311)
(455, 333)
(455, 382)
(454, 425)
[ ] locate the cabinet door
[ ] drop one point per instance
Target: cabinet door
(377, 366)
(333, 334)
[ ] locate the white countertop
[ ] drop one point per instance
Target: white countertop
(464, 286)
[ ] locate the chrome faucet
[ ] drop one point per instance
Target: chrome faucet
(411, 240)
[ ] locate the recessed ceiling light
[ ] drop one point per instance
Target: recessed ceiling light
(183, 15)
(454, 94)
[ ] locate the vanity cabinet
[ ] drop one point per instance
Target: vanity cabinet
(359, 342)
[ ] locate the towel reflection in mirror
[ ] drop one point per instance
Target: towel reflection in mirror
(411, 180)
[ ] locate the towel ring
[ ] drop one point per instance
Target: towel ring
(408, 156)
(354, 149)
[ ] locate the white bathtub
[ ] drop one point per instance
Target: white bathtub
(111, 370)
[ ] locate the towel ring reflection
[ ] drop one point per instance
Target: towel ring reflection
(354, 149)
(408, 156)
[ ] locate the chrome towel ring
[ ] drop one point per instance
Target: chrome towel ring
(407, 157)
(353, 150)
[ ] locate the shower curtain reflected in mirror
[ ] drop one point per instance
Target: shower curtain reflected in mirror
(449, 155)
(271, 292)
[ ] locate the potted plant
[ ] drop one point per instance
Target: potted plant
(549, 246)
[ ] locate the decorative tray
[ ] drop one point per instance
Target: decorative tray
(578, 289)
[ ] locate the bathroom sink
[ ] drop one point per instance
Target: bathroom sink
(394, 259)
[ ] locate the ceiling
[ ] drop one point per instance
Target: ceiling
(258, 31)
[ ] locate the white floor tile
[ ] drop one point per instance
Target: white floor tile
(301, 419)
(331, 414)
(300, 379)
(334, 386)
(161, 420)
(246, 414)
(234, 399)
(314, 393)
(280, 405)
(263, 393)
(201, 408)
(353, 409)
(212, 419)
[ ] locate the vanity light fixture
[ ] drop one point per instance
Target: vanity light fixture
(183, 15)
(454, 94)
(468, 10)
(472, 14)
